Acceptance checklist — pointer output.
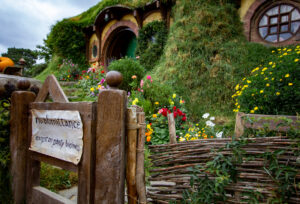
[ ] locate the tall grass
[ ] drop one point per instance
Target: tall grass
(206, 54)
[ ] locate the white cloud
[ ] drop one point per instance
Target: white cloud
(27, 22)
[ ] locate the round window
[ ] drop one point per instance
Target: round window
(279, 23)
(95, 51)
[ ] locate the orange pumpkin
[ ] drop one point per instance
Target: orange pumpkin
(5, 62)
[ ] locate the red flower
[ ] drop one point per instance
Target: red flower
(174, 108)
(102, 71)
(175, 114)
(84, 71)
(184, 118)
(164, 112)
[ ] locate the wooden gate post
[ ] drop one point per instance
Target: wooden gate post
(20, 101)
(110, 143)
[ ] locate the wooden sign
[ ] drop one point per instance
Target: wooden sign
(58, 134)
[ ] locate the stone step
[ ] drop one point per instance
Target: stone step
(67, 83)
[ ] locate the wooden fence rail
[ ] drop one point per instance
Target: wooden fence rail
(171, 172)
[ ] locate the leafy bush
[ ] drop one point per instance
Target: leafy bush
(151, 42)
(273, 87)
(5, 192)
(69, 71)
(67, 40)
(35, 70)
(128, 68)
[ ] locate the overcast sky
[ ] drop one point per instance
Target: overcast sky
(25, 23)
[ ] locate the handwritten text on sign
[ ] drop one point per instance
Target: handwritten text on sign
(58, 134)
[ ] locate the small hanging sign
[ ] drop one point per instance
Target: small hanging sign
(58, 134)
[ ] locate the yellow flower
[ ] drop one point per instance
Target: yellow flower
(262, 73)
(244, 79)
(280, 79)
(252, 111)
(266, 78)
(274, 66)
(154, 116)
(92, 89)
(237, 87)
(267, 84)
(296, 60)
(87, 77)
(248, 81)
(283, 49)
(135, 101)
(290, 84)
(239, 106)
(181, 101)
(287, 75)
(289, 50)
(284, 54)
(279, 49)
(256, 108)
(156, 103)
(277, 93)
(174, 95)
(245, 86)
(298, 52)
(273, 79)
(270, 63)
(171, 103)
(252, 94)
(273, 51)
(236, 104)
(181, 139)
(264, 69)
(261, 91)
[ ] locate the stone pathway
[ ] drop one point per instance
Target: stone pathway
(70, 193)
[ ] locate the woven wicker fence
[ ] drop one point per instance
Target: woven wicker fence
(170, 175)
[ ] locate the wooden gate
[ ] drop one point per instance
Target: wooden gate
(103, 153)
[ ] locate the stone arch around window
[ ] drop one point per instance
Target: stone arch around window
(276, 27)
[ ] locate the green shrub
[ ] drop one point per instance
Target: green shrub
(67, 40)
(151, 42)
(129, 68)
(35, 70)
(5, 192)
(273, 87)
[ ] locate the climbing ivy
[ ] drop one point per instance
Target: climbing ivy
(151, 42)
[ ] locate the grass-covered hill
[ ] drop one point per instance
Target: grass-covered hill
(205, 55)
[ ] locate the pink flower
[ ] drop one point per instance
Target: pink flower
(160, 111)
(149, 77)
(137, 57)
(142, 83)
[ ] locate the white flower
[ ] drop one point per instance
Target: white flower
(219, 134)
(205, 115)
(212, 118)
(209, 123)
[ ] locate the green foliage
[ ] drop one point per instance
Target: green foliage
(52, 68)
(56, 179)
(272, 87)
(5, 192)
(129, 68)
(206, 54)
(35, 70)
(67, 40)
(151, 41)
(69, 71)
(17, 53)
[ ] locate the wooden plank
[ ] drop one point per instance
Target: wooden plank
(18, 142)
(53, 161)
(110, 147)
(131, 136)
(85, 168)
(52, 87)
(86, 176)
(172, 128)
(140, 166)
(239, 124)
(44, 196)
